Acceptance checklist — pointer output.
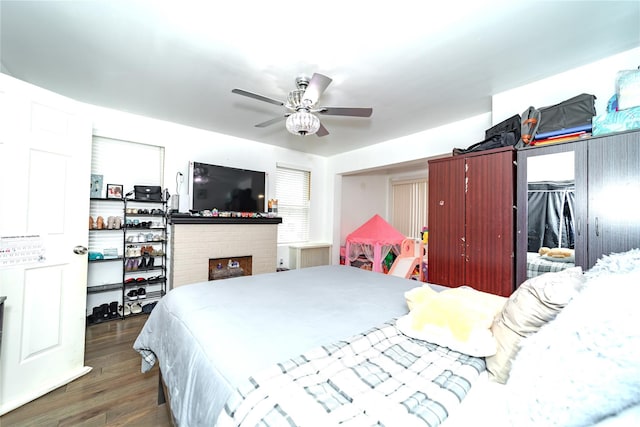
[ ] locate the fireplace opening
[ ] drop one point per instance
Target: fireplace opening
(224, 268)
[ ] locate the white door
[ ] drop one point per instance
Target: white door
(45, 156)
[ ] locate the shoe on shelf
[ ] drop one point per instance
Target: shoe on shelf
(142, 294)
(156, 279)
(127, 309)
(92, 223)
(136, 308)
(104, 311)
(110, 222)
(113, 309)
(132, 295)
(147, 308)
(95, 316)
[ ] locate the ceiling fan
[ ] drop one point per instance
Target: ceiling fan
(301, 103)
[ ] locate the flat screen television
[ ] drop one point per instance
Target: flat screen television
(225, 188)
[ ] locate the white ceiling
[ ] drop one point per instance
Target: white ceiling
(418, 64)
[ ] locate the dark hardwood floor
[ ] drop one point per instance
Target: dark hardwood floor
(114, 393)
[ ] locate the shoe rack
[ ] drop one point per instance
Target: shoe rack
(127, 257)
(104, 277)
(144, 264)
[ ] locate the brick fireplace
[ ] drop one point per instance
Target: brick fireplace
(196, 240)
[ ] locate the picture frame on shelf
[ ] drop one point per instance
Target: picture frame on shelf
(114, 191)
(96, 186)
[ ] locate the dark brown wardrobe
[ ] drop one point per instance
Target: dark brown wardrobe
(606, 170)
(472, 221)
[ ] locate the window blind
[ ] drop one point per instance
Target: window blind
(124, 163)
(293, 191)
(409, 206)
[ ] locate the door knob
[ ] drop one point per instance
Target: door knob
(80, 250)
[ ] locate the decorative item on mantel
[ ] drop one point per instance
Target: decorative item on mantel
(272, 208)
(226, 214)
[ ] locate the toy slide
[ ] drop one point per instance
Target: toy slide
(411, 254)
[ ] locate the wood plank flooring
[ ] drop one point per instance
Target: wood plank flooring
(114, 393)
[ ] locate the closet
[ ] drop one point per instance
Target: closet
(613, 190)
(472, 221)
(607, 194)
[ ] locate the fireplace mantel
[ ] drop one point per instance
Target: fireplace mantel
(195, 240)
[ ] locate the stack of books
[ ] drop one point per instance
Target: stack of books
(562, 135)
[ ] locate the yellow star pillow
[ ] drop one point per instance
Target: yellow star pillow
(458, 318)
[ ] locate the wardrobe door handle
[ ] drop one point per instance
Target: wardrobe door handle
(597, 228)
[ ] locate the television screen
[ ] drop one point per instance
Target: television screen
(226, 189)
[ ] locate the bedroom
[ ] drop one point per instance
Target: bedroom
(330, 216)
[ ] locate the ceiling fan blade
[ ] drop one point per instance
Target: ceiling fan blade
(316, 88)
(346, 111)
(270, 122)
(322, 131)
(256, 96)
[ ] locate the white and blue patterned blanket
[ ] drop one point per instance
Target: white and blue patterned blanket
(377, 378)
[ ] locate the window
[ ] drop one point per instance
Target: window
(293, 189)
(409, 206)
(123, 163)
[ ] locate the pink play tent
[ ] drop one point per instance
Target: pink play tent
(373, 239)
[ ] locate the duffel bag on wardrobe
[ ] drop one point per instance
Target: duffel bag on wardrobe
(513, 123)
(501, 139)
(573, 112)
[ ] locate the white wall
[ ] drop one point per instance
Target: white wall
(423, 145)
(362, 197)
(597, 78)
(183, 144)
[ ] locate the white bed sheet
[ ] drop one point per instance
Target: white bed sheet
(246, 324)
(484, 405)
(487, 403)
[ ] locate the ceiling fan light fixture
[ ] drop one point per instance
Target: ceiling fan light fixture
(302, 123)
(294, 99)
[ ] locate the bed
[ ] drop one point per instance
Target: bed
(537, 264)
(238, 352)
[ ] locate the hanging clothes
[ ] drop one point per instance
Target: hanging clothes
(550, 218)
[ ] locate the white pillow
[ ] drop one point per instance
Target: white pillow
(584, 365)
(534, 303)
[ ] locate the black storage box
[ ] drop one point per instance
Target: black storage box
(148, 192)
